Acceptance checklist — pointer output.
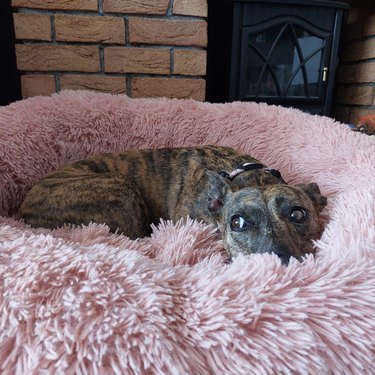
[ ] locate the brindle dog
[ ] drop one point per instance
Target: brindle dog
(255, 210)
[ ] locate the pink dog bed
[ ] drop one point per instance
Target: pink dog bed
(82, 300)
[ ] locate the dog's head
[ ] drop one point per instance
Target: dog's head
(278, 218)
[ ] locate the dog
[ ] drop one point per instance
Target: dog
(250, 204)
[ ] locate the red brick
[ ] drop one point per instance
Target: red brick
(139, 6)
(170, 32)
(369, 25)
(73, 28)
(190, 7)
(137, 60)
(190, 62)
(347, 74)
(360, 50)
(115, 85)
(40, 57)
(57, 4)
(34, 85)
(366, 72)
(32, 26)
(168, 87)
(356, 95)
(361, 72)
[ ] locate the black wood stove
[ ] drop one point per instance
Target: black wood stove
(280, 52)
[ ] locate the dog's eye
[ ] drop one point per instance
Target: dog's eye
(297, 214)
(238, 223)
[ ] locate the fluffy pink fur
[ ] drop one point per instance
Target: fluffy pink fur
(82, 300)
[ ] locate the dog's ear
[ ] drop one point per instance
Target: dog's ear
(218, 188)
(313, 191)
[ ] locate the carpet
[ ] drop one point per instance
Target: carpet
(81, 300)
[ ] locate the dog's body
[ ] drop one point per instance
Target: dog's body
(255, 211)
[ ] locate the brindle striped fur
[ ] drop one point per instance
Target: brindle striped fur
(129, 191)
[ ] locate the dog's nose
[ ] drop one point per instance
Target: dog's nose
(283, 253)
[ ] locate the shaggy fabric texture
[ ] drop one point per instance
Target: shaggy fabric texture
(84, 301)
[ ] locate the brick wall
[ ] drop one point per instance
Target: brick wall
(356, 74)
(141, 48)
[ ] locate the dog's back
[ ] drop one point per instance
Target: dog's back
(128, 191)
